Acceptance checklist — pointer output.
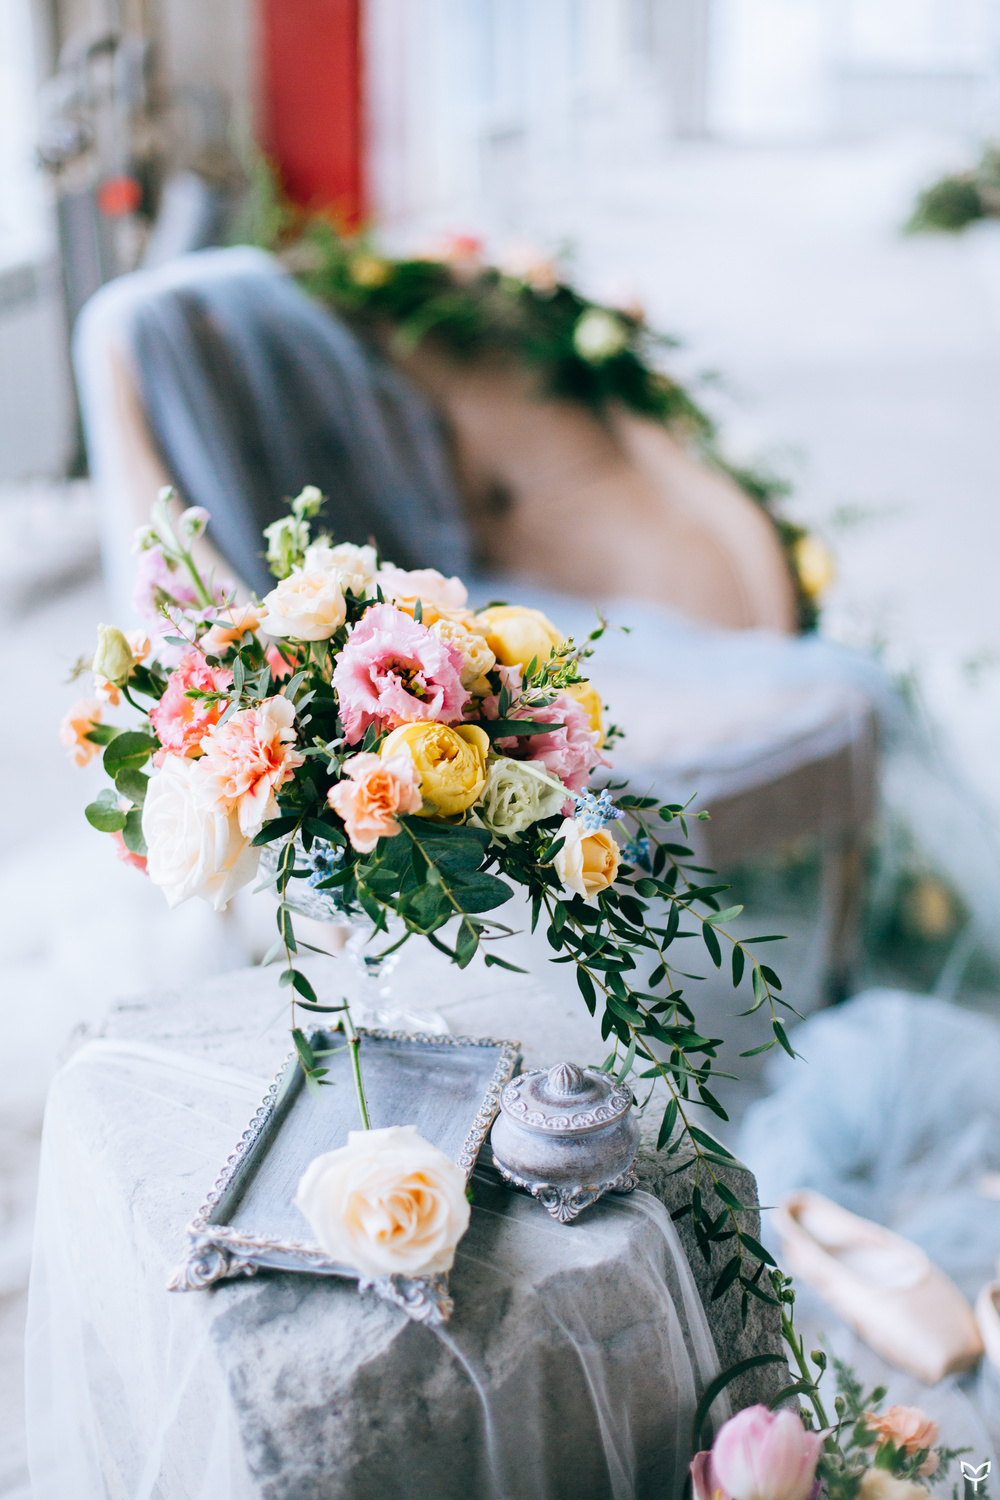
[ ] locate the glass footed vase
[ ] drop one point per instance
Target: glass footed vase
(375, 1006)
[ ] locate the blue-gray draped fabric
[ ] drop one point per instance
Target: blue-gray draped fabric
(252, 391)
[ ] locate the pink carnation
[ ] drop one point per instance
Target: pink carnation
(569, 752)
(180, 722)
(393, 671)
(124, 853)
(247, 760)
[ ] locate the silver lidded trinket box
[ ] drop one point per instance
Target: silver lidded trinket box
(566, 1135)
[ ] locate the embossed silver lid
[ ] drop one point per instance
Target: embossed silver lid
(564, 1099)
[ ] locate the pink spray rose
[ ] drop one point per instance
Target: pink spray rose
(181, 723)
(910, 1430)
(765, 1455)
(247, 760)
(276, 660)
(393, 671)
(374, 791)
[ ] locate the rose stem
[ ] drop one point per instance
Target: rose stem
(354, 1044)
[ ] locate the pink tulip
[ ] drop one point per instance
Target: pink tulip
(765, 1455)
(704, 1484)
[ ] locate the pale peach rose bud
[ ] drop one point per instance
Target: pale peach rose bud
(113, 659)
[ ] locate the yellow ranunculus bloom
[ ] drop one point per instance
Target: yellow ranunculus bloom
(515, 634)
(589, 700)
(451, 763)
(814, 565)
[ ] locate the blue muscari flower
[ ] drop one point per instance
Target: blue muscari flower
(636, 852)
(324, 859)
(594, 812)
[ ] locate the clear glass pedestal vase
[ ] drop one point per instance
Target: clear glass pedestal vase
(375, 1005)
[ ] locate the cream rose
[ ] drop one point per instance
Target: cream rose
(587, 863)
(879, 1484)
(193, 850)
(477, 658)
(426, 584)
(387, 1204)
(304, 607)
(352, 567)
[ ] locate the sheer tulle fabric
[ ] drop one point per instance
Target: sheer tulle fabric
(128, 1397)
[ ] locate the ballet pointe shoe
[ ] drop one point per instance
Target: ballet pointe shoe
(884, 1287)
(988, 1319)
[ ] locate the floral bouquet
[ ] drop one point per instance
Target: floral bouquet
(413, 761)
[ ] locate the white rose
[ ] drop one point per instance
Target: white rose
(193, 851)
(879, 1484)
(387, 1204)
(515, 796)
(422, 583)
(304, 607)
(352, 567)
(599, 336)
(587, 863)
(477, 657)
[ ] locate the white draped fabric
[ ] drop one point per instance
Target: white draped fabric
(571, 1366)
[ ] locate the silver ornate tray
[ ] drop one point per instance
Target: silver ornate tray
(447, 1086)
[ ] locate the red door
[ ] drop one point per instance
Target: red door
(311, 76)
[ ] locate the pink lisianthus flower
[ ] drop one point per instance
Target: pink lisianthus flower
(181, 723)
(569, 752)
(765, 1455)
(247, 760)
(156, 583)
(393, 671)
(373, 792)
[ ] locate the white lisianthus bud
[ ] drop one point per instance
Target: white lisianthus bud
(516, 795)
(113, 658)
(287, 540)
(192, 522)
(307, 502)
(143, 538)
(599, 336)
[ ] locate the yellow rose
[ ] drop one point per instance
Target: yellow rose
(451, 763)
(587, 862)
(589, 700)
(814, 565)
(515, 634)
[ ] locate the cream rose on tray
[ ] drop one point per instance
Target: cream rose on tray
(386, 1204)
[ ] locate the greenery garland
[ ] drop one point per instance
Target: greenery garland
(959, 198)
(581, 349)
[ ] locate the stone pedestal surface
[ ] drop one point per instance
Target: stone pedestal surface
(562, 1372)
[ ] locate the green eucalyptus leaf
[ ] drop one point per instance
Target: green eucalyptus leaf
(128, 751)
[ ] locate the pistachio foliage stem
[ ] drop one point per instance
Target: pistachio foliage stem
(354, 1047)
